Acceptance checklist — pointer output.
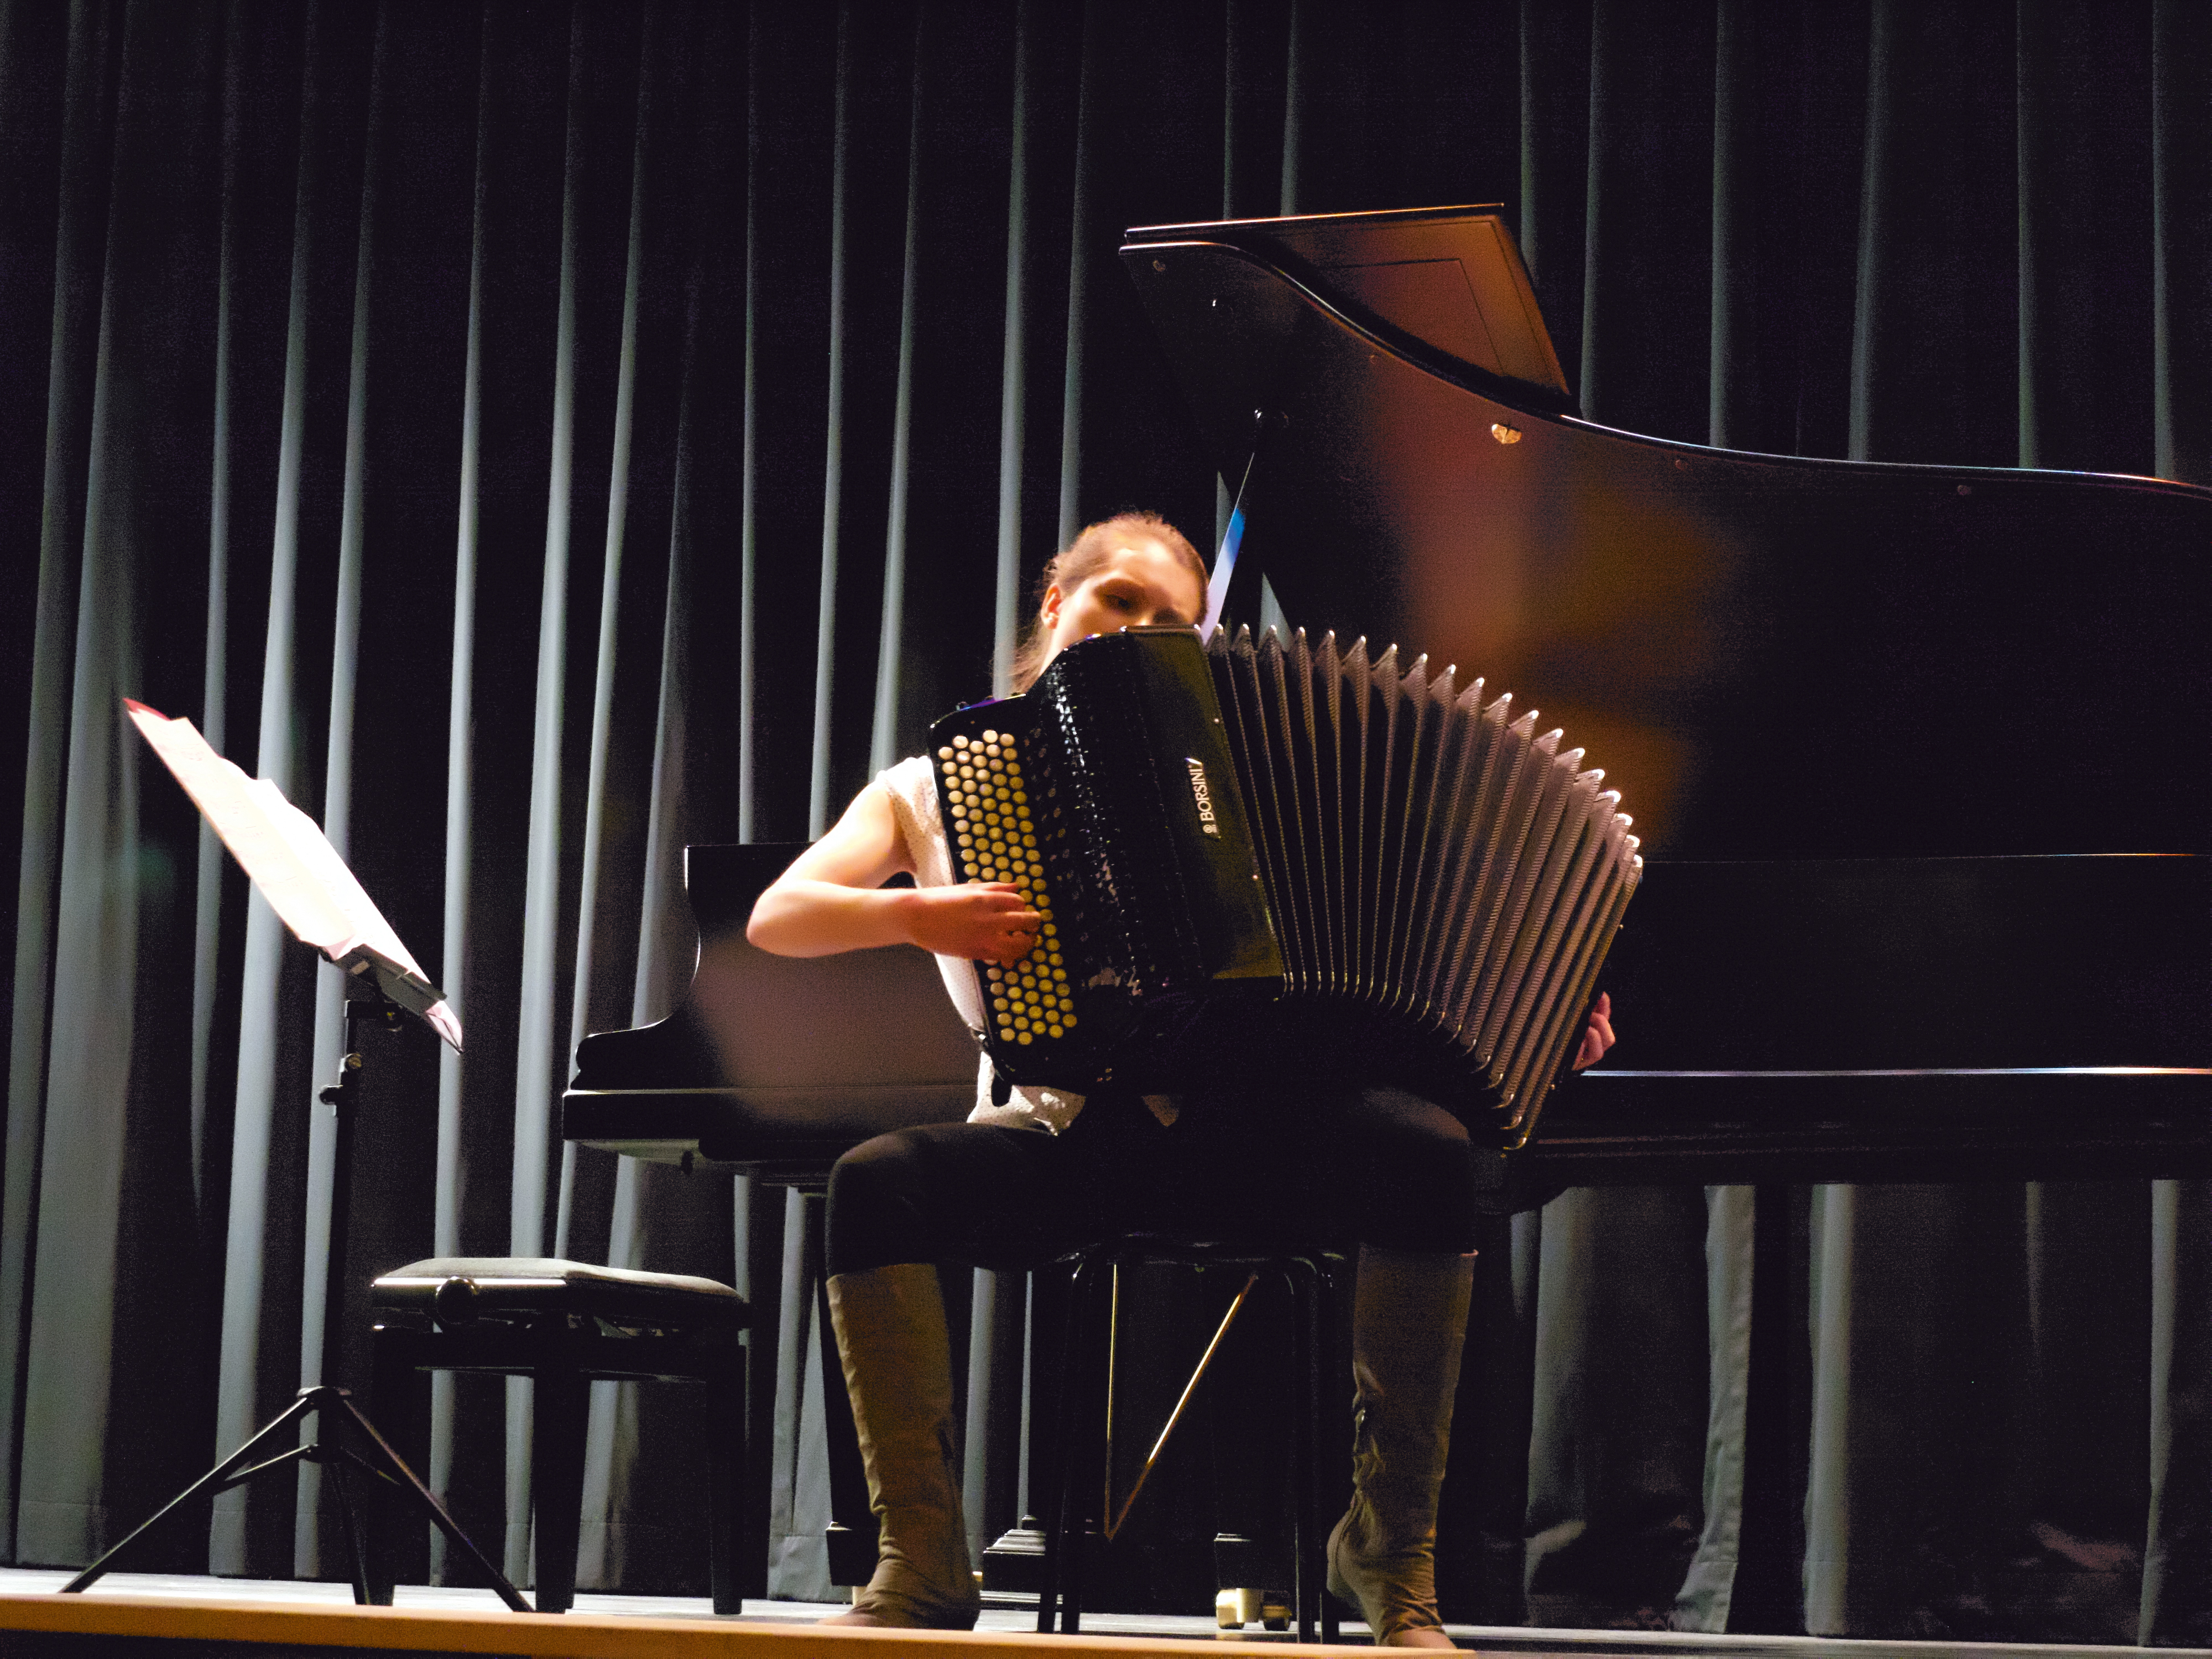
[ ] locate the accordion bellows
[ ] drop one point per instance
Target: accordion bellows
(1270, 861)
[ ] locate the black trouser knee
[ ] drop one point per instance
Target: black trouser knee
(1375, 1167)
(967, 1192)
(1413, 1170)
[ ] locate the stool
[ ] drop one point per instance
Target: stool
(564, 1324)
(1082, 1469)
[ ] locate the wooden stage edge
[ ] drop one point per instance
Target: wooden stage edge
(138, 1619)
(37, 1625)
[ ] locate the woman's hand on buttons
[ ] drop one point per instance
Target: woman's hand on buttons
(1598, 1037)
(982, 921)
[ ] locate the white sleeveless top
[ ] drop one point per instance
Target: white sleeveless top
(913, 789)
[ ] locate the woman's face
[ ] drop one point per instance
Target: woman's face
(1141, 583)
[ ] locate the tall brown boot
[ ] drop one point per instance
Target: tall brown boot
(1408, 1324)
(898, 1368)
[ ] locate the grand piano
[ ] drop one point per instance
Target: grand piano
(1916, 753)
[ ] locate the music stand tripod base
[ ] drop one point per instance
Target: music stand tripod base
(382, 1463)
(365, 1002)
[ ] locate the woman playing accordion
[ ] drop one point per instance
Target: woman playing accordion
(1037, 1171)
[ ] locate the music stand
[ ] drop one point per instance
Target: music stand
(293, 866)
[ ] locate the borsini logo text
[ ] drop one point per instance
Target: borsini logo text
(1203, 796)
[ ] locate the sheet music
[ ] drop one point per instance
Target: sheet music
(293, 864)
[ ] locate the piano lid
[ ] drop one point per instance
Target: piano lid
(1444, 285)
(1772, 656)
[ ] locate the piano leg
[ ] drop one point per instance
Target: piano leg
(1482, 1511)
(1768, 1597)
(851, 1534)
(759, 1221)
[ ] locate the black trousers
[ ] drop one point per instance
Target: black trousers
(1368, 1166)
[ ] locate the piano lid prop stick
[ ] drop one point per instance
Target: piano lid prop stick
(293, 864)
(1232, 538)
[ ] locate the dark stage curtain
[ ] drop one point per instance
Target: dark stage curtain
(540, 436)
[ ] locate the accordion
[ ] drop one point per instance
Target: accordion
(1281, 860)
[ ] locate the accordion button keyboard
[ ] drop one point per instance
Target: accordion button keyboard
(991, 827)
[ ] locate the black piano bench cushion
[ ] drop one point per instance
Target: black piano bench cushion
(460, 1289)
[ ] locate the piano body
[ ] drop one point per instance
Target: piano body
(1916, 752)
(774, 1065)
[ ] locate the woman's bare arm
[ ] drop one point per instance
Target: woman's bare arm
(832, 898)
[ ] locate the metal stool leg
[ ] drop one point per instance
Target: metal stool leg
(1328, 1366)
(1305, 1518)
(1066, 1545)
(1083, 1393)
(1321, 1373)
(1063, 1444)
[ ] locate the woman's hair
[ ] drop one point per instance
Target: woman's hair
(1079, 561)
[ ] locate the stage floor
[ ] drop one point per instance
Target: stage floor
(155, 1616)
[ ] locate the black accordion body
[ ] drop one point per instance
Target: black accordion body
(1284, 861)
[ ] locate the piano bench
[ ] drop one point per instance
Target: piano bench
(1085, 1451)
(564, 1324)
